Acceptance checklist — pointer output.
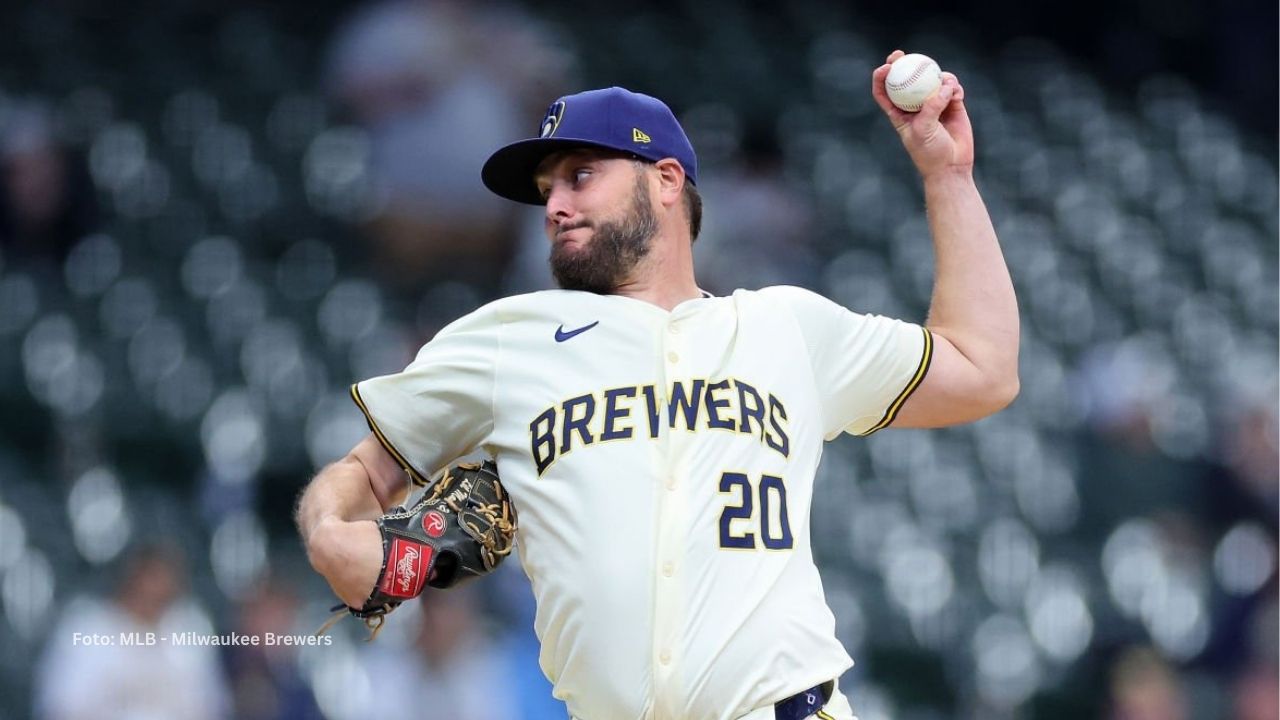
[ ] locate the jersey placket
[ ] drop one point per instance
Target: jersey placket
(671, 536)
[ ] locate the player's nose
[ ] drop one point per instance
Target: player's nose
(559, 207)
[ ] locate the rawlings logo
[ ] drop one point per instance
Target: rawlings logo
(407, 563)
(433, 524)
(407, 569)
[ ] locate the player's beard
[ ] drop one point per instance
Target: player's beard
(615, 248)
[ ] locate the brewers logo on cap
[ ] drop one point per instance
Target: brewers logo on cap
(552, 119)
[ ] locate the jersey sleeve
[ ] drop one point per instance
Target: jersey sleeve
(440, 407)
(865, 366)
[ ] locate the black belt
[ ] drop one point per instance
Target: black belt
(804, 703)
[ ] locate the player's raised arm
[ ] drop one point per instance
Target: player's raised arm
(336, 517)
(973, 314)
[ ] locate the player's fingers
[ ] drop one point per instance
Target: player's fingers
(881, 97)
(935, 104)
(877, 81)
(957, 89)
(893, 56)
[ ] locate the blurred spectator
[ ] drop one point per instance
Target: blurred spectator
(45, 200)
(109, 677)
(1123, 389)
(1257, 694)
(265, 682)
(438, 85)
(1143, 687)
(452, 666)
(1252, 448)
(758, 229)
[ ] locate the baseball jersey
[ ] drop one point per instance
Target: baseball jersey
(661, 464)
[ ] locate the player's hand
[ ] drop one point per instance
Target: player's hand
(938, 138)
(348, 555)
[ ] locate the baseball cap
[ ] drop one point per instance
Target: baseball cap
(614, 118)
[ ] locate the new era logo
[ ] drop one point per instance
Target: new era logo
(638, 135)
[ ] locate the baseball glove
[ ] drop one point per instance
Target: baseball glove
(460, 529)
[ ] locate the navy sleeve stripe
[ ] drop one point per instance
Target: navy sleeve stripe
(414, 475)
(892, 413)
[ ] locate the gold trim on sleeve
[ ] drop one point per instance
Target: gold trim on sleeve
(414, 475)
(892, 413)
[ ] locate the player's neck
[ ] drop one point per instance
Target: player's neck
(665, 277)
(664, 295)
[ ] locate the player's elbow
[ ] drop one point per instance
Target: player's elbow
(1009, 392)
(988, 386)
(999, 373)
(319, 540)
(1003, 391)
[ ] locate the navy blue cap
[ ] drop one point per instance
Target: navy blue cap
(613, 118)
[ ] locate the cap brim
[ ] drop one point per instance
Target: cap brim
(509, 171)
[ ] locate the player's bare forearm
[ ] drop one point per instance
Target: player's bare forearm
(336, 517)
(973, 304)
(973, 313)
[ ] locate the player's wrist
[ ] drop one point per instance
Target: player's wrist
(948, 175)
(354, 554)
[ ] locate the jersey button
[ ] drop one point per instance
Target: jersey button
(673, 329)
(665, 657)
(673, 357)
(668, 569)
(671, 482)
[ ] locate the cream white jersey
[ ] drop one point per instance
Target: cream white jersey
(662, 467)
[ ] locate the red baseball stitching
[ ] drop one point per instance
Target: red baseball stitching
(912, 77)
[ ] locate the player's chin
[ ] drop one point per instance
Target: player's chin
(566, 246)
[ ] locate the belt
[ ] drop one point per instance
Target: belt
(804, 703)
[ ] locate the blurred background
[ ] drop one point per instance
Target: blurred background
(214, 217)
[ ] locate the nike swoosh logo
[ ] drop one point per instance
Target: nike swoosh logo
(561, 335)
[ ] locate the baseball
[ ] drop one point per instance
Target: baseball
(912, 79)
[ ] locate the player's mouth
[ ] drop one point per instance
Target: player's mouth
(576, 235)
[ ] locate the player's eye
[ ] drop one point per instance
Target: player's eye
(581, 174)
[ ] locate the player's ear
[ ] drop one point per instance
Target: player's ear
(671, 181)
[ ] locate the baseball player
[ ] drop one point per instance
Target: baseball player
(660, 443)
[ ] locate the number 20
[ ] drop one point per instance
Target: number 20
(771, 487)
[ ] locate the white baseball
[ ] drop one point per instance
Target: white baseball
(912, 79)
